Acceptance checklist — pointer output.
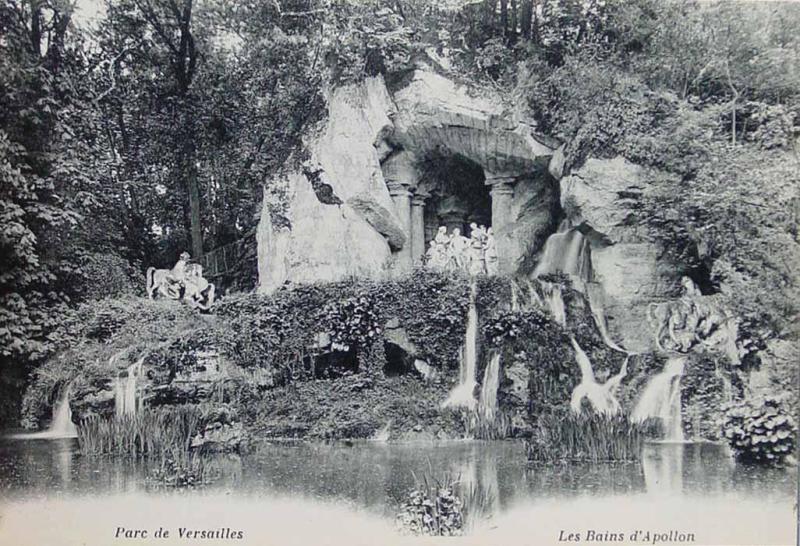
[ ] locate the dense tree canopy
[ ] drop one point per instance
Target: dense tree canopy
(153, 130)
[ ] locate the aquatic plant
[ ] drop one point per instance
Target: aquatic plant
(163, 432)
(481, 426)
(432, 508)
(186, 473)
(588, 437)
(760, 431)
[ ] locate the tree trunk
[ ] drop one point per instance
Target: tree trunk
(526, 16)
(504, 17)
(514, 20)
(191, 184)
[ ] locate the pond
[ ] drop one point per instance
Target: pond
(301, 493)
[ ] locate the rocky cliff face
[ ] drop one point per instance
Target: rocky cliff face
(340, 220)
(602, 197)
(344, 218)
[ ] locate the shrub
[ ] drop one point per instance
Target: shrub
(760, 431)
(432, 508)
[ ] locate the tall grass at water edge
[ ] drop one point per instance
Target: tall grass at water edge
(164, 436)
(588, 437)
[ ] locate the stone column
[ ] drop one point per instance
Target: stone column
(402, 207)
(502, 194)
(418, 228)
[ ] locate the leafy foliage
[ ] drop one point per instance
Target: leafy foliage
(760, 431)
(432, 509)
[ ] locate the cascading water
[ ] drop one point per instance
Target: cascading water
(125, 401)
(565, 252)
(61, 426)
(463, 394)
(592, 292)
(491, 381)
(554, 300)
(662, 399)
(383, 434)
(601, 396)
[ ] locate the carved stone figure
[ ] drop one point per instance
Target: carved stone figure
(184, 280)
(475, 255)
(437, 252)
(476, 260)
(694, 319)
(490, 253)
(198, 292)
(457, 249)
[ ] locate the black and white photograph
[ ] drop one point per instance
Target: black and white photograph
(401, 272)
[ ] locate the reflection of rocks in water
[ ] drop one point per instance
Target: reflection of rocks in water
(673, 469)
(663, 468)
(582, 478)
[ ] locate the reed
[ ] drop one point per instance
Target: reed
(164, 433)
(588, 437)
(482, 427)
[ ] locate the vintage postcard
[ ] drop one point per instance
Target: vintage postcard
(485, 272)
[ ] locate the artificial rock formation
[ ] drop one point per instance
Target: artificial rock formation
(358, 206)
(361, 206)
(601, 198)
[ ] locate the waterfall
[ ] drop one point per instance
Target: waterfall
(554, 300)
(61, 426)
(662, 399)
(491, 381)
(514, 297)
(565, 252)
(601, 396)
(591, 290)
(125, 402)
(383, 434)
(462, 395)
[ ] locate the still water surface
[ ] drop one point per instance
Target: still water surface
(293, 493)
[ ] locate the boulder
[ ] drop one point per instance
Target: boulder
(602, 197)
(339, 221)
(380, 218)
(533, 216)
(604, 193)
(434, 112)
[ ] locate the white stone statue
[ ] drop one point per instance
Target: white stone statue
(437, 251)
(457, 251)
(183, 280)
(476, 257)
(490, 253)
(198, 292)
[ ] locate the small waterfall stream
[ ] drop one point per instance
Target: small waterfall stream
(565, 252)
(383, 434)
(594, 297)
(554, 300)
(61, 426)
(491, 382)
(463, 393)
(125, 400)
(602, 396)
(661, 399)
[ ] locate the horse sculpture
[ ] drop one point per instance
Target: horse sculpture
(184, 281)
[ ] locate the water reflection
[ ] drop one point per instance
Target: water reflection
(377, 477)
